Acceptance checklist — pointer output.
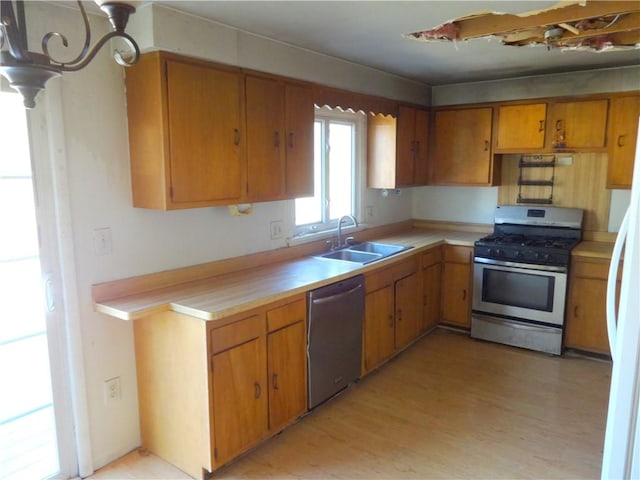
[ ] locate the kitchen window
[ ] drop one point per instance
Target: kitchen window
(337, 154)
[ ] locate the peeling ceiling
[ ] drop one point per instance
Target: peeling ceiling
(374, 33)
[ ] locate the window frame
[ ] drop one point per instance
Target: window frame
(358, 121)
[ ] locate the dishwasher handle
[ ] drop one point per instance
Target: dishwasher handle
(337, 296)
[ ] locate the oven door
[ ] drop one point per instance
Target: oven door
(521, 291)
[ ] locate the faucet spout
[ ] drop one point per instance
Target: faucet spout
(345, 217)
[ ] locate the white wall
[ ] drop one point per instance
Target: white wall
(95, 135)
(477, 203)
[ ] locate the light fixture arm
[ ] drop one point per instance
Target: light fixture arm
(28, 71)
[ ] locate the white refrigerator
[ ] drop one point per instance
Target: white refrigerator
(621, 457)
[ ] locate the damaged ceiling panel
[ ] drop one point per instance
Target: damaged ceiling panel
(596, 26)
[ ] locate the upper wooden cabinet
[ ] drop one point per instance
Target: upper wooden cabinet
(623, 132)
(578, 124)
(398, 149)
(520, 127)
(203, 135)
(461, 153)
(185, 133)
(279, 139)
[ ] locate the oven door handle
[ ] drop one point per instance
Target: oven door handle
(498, 321)
(528, 266)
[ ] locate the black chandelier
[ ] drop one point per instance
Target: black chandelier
(28, 71)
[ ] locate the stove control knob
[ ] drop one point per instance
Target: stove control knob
(546, 257)
(491, 252)
(519, 254)
(500, 252)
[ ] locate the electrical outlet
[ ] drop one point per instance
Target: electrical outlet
(369, 213)
(276, 229)
(112, 391)
(102, 244)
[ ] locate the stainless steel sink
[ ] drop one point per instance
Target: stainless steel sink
(352, 256)
(365, 252)
(384, 249)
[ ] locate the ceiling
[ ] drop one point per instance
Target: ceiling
(371, 33)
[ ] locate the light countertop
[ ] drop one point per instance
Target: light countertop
(228, 294)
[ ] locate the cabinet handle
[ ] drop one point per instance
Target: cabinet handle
(575, 311)
(399, 314)
(391, 320)
(290, 139)
(620, 141)
(258, 390)
(276, 139)
(274, 381)
(541, 127)
(486, 145)
(558, 125)
(464, 294)
(236, 137)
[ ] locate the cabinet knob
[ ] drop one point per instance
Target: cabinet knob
(391, 320)
(541, 127)
(236, 137)
(575, 311)
(464, 294)
(399, 314)
(258, 390)
(486, 145)
(620, 141)
(558, 125)
(274, 381)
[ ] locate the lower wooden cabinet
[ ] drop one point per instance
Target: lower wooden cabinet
(456, 281)
(585, 319)
(431, 288)
(209, 391)
(392, 311)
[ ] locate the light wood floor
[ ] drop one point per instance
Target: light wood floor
(449, 407)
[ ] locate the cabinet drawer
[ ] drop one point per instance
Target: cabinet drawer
(431, 257)
(286, 315)
(593, 270)
(457, 254)
(236, 333)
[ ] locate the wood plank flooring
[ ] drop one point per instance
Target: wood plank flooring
(449, 407)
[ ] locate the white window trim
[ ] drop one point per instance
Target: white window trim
(305, 234)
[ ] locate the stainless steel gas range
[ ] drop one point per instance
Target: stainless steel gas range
(520, 276)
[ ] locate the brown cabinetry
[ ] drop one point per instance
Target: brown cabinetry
(279, 139)
(461, 153)
(456, 279)
(585, 322)
(202, 134)
(623, 134)
(208, 393)
(398, 149)
(185, 133)
(431, 285)
(393, 312)
(578, 124)
(520, 128)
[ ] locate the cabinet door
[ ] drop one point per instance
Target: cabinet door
(578, 124)
(432, 278)
(204, 134)
(623, 125)
(408, 309)
(521, 127)
(299, 117)
(462, 147)
(456, 296)
(405, 146)
(287, 374)
(265, 138)
(379, 327)
(586, 327)
(239, 398)
(421, 157)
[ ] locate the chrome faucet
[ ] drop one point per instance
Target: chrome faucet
(348, 217)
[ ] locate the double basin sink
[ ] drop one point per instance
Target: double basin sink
(365, 252)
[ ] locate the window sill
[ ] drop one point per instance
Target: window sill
(324, 234)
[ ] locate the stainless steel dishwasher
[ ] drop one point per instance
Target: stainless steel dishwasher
(334, 347)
